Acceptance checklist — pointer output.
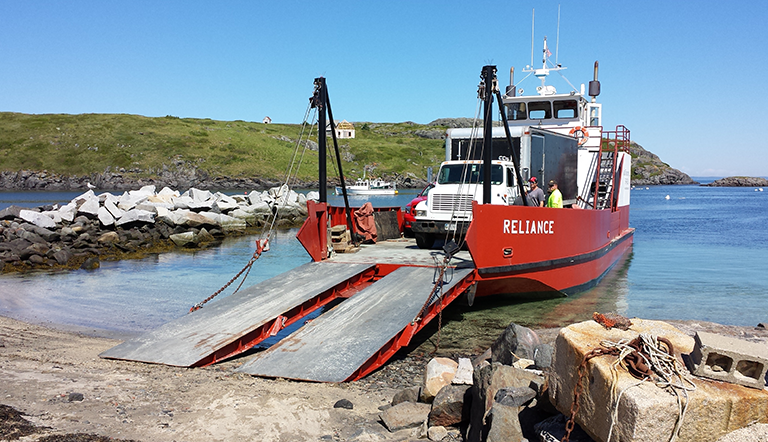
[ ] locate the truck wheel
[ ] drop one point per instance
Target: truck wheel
(424, 240)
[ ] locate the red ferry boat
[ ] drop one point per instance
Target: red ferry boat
(480, 202)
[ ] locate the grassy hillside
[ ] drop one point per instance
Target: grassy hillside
(87, 143)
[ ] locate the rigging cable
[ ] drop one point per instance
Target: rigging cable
(262, 244)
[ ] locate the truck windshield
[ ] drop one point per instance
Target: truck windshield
(468, 173)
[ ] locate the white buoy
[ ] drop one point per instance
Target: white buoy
(761, 189)
(666, 197)
(647, 188)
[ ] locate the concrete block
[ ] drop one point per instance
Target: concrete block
(645, 412)
(729, 359)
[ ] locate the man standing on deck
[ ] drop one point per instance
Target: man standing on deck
(555, 197)
(536, 196)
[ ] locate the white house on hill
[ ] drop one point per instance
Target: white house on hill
(345, 129)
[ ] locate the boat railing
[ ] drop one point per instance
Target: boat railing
(616, 139)
(611, 144)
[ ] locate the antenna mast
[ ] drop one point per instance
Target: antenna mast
(533, 21)
(557, 43)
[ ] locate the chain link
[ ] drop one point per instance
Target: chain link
(261, 245)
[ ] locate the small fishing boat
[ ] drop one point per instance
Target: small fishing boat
(375, 186)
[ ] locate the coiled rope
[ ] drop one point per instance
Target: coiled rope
(647, 358)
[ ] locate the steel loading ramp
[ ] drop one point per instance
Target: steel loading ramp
(361, 333)
(238, 322)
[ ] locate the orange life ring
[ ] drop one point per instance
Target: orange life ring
(580, 130)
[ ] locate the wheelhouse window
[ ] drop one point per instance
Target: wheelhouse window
(565, 109)
(539, 110)
(456, 174)
(516, 111)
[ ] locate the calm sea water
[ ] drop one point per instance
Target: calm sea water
(698, 255)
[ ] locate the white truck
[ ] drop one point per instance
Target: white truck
(447, 212)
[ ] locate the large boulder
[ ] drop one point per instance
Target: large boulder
(134, 216)
(515, 342)
(115, 211)
(37, 218)
(191, 219)
(166, 216)
(62, 256)
(68, 212)
(145, 191)
(168, 192)
(108, 238)
(105, 217)
(489, 380)
(89, 208)
(464, 373)
(11, 212)
(54, 215)
(185, 239)
(255, 197)
(410, 394)
(182, 202)
(225, 203)
(405, 415)
(448, 407)
(439, 373)
(227, 223)
(198, 195)
(503, 424)
(128, 201)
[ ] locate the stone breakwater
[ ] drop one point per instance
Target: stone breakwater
(92, 227)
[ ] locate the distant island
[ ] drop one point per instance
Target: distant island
(124, 152)
(738, 181)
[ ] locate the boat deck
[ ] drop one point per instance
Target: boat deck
(402, 251)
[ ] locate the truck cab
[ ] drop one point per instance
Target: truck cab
(447, 210)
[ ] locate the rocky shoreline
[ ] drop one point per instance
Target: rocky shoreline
(181, 176)
(93, 227)
(739, 181)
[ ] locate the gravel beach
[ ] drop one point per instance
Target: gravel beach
(58, 382)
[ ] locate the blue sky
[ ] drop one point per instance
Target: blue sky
(685, 77)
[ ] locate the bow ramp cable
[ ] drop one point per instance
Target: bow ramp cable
(284, 190)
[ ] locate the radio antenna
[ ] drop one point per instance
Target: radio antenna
(557, 43)
(533, 20)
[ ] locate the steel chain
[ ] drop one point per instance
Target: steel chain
(256, 255)
(578, 389)
(636, 362)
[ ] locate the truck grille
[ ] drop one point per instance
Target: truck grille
(449, 202)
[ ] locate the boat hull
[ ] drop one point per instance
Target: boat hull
(352, 190)
(518, 249)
